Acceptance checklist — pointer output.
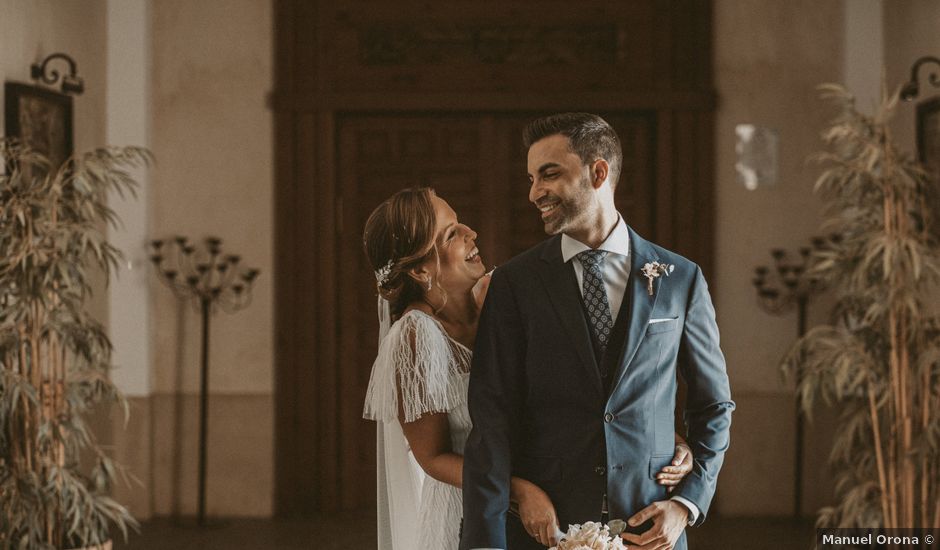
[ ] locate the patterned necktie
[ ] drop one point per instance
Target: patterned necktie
(595, 297)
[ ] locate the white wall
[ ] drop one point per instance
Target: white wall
(128, 123)
(864, 51)
(212, 131)
(769, 58)
(213, 136)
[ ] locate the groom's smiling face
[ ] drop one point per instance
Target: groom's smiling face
(560, 186)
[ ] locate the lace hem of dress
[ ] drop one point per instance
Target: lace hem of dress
(441, 511)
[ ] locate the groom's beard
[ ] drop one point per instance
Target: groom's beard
(571, 211)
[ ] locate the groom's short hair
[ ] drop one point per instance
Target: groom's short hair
(589, 136)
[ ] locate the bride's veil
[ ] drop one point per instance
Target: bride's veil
(399, 477)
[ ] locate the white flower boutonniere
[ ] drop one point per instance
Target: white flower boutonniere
(652, 270)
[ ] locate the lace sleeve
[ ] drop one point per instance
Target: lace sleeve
(415, 360)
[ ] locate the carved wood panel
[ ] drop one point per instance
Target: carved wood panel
(474, 45)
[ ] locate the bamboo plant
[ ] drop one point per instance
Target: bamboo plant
(54, 357)
(878, 360)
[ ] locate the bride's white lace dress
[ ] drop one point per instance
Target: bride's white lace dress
(414, 509)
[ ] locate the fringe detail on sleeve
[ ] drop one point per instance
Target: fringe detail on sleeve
(418, 357)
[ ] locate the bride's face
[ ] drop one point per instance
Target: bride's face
(460, 263)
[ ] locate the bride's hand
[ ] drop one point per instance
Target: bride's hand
(681, 465)
(537, 514)
(479, 289)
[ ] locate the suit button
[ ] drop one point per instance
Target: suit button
(600, 470)
(608, 418)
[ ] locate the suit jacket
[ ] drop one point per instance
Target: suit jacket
(541, 412)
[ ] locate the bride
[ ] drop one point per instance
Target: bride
(431, 283)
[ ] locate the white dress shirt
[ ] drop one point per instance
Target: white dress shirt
(616, 269)
(616, 273)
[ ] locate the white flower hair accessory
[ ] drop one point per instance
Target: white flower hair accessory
(381, 276)
(652, 270)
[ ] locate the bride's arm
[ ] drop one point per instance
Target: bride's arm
(671, 474)
(429, 439)
(481, 287)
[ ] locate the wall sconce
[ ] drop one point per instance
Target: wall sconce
(911, 87)
(756, 148)
(71, 82)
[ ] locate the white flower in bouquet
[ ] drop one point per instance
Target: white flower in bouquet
(589, 536)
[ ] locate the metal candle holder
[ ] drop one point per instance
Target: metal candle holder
(211, 281)
(778, 291)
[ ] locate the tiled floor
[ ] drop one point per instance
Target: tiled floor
(244, 534)
(753, 534)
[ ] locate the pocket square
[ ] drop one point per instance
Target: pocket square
(664, 320)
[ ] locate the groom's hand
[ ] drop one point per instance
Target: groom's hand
(669, 520)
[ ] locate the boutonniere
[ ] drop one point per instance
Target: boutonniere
(652, 270)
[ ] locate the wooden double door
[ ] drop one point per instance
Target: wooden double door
(477, 163)
(372, 96)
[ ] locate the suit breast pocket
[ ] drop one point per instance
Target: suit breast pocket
(662, 325)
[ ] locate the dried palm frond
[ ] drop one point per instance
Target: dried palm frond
(54, 357)
(879, 359)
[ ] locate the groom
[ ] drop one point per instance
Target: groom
(573, 384)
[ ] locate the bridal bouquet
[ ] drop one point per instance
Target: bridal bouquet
(589, 536)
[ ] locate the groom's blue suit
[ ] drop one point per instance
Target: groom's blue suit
(541, 411)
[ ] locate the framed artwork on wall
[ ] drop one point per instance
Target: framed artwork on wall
(928, 147)
(928, 133)
(40, 118)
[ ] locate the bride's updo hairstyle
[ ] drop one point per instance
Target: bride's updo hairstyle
(399, 235)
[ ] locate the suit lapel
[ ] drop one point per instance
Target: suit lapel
(641, 302)
(562, 286)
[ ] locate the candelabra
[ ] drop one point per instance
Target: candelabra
(779, 290)
(211, 281)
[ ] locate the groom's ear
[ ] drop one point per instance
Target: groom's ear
(599, 172)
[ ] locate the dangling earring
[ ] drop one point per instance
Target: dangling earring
(429, 285)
